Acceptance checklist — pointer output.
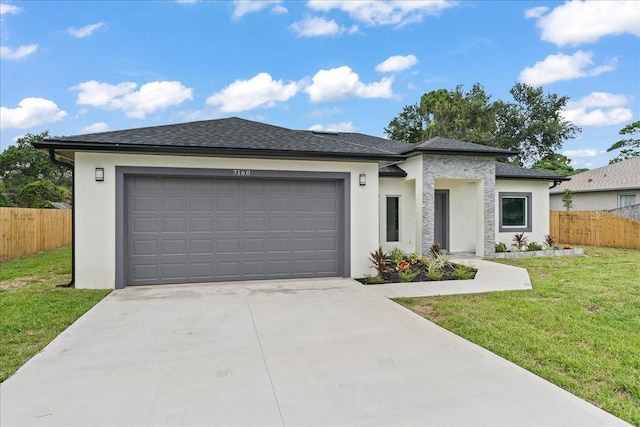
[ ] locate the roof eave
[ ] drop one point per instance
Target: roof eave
(222, 151)
(493, 154)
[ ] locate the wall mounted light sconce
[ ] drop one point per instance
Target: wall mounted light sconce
(99, 174)
(363, 180)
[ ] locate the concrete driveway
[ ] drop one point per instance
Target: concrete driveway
(289, 353)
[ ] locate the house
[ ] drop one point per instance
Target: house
(613, 186)
(233, 199)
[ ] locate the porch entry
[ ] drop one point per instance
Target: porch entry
(441, 225)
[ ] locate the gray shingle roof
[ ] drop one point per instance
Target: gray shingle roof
(229, 136)
(617, 176)
(446, 145)
(505, 170)
(392, 171)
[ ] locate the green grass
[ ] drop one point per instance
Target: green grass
(578, 328)
(33, 311)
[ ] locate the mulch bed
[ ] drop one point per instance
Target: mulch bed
(392, 276)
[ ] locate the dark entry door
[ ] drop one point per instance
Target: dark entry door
(441, 226)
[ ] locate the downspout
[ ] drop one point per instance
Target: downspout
(52, 157)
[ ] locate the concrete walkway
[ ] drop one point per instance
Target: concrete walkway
(284, 353)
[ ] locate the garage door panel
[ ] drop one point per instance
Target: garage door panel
(198, 229)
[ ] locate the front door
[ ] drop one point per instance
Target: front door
(441, 226)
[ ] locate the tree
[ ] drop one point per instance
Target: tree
(558, 164)
(533, 124)
(530, 125)
(630, 146)
(22, 163)
(40, 194)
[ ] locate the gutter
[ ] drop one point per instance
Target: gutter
(52, 158)
(556, 182)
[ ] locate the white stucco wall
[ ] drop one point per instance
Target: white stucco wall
(413, 167)
(592, 201)
(96, 213)
(539, 190)
(404, 188)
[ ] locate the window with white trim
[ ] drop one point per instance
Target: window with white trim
(393, 218)
(625, 200)
(515, 212)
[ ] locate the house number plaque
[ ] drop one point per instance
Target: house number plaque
(241, 172)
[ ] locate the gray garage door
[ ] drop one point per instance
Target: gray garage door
(199, 229)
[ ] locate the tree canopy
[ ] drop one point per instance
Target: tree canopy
(630, 146)
(557, 163)
(531, 124)
(22, 164)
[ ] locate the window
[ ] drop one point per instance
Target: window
(393, 218)
(515, 212)
(626, 200)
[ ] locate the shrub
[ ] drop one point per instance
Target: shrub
(373, 280)
(520, 241)
(413, 258)
(39, 194)
(549, 242)
(435, 250)
(501, 247)
(408, 275)
(534, 246)
(463, 272)
(396, 255)
(402, 265)
(380, 261)
(435, 275)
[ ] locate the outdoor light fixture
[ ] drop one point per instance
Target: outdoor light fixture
(99, 174)
(363, 180)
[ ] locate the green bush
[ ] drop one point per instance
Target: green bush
(39, 194)
(373, 280)
(408, 276)
(435, 274)
(463, 272)
(501, 247)
(396, 255)
(534, 246)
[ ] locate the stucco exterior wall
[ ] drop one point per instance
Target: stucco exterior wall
(404, 188)
(539, 190)
(593, 201)
(96, 211)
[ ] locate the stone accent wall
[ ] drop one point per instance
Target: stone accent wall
(459, 167)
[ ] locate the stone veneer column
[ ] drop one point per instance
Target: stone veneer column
(438, 166)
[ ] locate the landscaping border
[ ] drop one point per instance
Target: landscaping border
(551, 252)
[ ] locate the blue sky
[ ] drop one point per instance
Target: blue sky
(74, 67)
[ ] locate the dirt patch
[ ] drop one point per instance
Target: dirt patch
(428, 312)
(21, 283)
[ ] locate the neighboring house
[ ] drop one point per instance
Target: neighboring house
(613, 186)
(232, 199)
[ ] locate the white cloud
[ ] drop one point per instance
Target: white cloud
(279, 9)
(586, 152)
(19, 53)
(600, 99)
(95, 127)
(149, 98)
(535, 12)
(334, 127)
(563, 67)
(598, 109)
(85, 31)
(387, 12)
(242, 7)
(6, 9)
(397, 63)
(315, 26)
(598, 117)
(29, 113)
(259, 91)
(578, 22)
(339, 83)
(324, 112)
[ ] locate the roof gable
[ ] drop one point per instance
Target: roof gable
(451, 146)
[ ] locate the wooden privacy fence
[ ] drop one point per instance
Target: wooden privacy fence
(594, 228)
(27, 231)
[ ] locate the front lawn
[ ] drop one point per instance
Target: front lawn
(578, 328)
(33, 311)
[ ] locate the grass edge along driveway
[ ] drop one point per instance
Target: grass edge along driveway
(33, 311)
(578, 328)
